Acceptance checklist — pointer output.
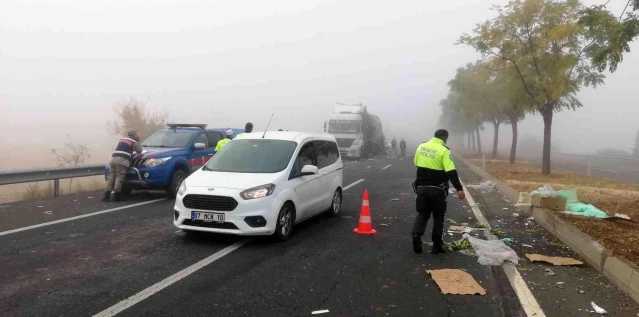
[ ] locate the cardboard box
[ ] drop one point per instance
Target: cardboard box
(553, 203)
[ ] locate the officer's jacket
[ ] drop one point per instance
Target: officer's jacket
(435, 165)
(221, 144)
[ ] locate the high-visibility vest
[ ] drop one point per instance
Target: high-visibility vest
(221, 144)
(433, 159)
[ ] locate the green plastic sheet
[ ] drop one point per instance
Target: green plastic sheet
(573, 206)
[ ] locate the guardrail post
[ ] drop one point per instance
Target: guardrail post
(56, 188)
(483, 161)
(589, 167)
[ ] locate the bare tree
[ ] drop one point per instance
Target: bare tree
(133, 114)
(73, 154)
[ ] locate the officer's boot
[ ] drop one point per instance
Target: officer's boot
(107, 196)
(417, 244)
(438, 249)
(118, 197)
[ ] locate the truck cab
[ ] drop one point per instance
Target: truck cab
(170, 155)
(358, 133)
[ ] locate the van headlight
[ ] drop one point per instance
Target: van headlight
(155, 162)
(182, 188)
(258, 192)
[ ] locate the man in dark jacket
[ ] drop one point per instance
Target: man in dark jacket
(402, 147)
(120, 163)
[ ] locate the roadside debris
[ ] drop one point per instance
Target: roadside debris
(507, 240)
(526, 245)
(485, 185)
(462, 244)
(48, 212)
(495, 232)
(531, 219)
(556, 260)
(383, 224)
(456, 282)
(451, 221)
(457, 228)
(395, 199)
(492, 252)
(515, 214)
(598, 309)
(317, 312)
(550, 272)
(40, 206)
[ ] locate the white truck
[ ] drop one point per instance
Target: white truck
(359, 134)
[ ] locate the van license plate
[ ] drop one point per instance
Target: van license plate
(207, 216)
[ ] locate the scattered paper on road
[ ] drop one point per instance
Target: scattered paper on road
(317, 312)
(598, 309)
(456, 282)
(556, 260)
(48, 212)
(395, 199)
(457, 228)
(492, 252)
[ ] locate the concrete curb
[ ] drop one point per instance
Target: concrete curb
(619, 271)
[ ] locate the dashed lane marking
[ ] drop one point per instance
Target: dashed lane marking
(353, 184)
(123, 305)
(78, 217)
(387, 166)
(526, 298)
(146, 293)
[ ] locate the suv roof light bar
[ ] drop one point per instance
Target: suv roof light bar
(186, 125)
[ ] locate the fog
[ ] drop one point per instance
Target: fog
(65, 63)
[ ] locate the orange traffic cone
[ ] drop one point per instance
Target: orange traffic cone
(365, 226)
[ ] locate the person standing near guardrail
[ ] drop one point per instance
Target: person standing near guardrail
(119, 164)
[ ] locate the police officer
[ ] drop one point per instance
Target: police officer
(435, 168)
(248, 128)
(224, 142)
(402, 147)
(119, 164)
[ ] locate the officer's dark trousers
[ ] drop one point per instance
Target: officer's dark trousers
(430, 200)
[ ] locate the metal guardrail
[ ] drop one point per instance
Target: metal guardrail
(52, 173)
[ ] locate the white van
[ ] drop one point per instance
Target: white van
(263, 184)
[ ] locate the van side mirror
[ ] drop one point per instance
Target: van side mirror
(308, 170)
(199, 146)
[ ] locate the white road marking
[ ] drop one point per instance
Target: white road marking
(353, 184)
(78, 217)
(526, 298)
(123, 305)
(387, 166)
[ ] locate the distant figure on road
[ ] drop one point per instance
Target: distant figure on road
(224, 142)
(402, 147)
(119, 165)
(248, 128)
(435, 168)
(394, 146)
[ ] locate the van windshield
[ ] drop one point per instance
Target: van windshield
(252, 156)
(346, 127)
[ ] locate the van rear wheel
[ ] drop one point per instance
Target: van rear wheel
(336, 205)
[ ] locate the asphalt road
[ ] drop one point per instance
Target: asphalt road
(110, 252)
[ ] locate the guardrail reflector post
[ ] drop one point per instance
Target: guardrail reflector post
(56, 188)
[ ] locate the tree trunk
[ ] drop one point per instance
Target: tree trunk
(546, 113)
(513, 145)
(474, 142)
(495, 139)
(468, 144)
(478, 142)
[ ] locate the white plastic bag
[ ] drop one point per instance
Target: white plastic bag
(544, 191)
(492, 252)
(485, 185)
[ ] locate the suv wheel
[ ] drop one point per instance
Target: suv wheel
(176, 181)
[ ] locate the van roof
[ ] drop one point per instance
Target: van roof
(287, 136)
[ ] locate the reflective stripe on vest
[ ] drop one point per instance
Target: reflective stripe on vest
(124, 148)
